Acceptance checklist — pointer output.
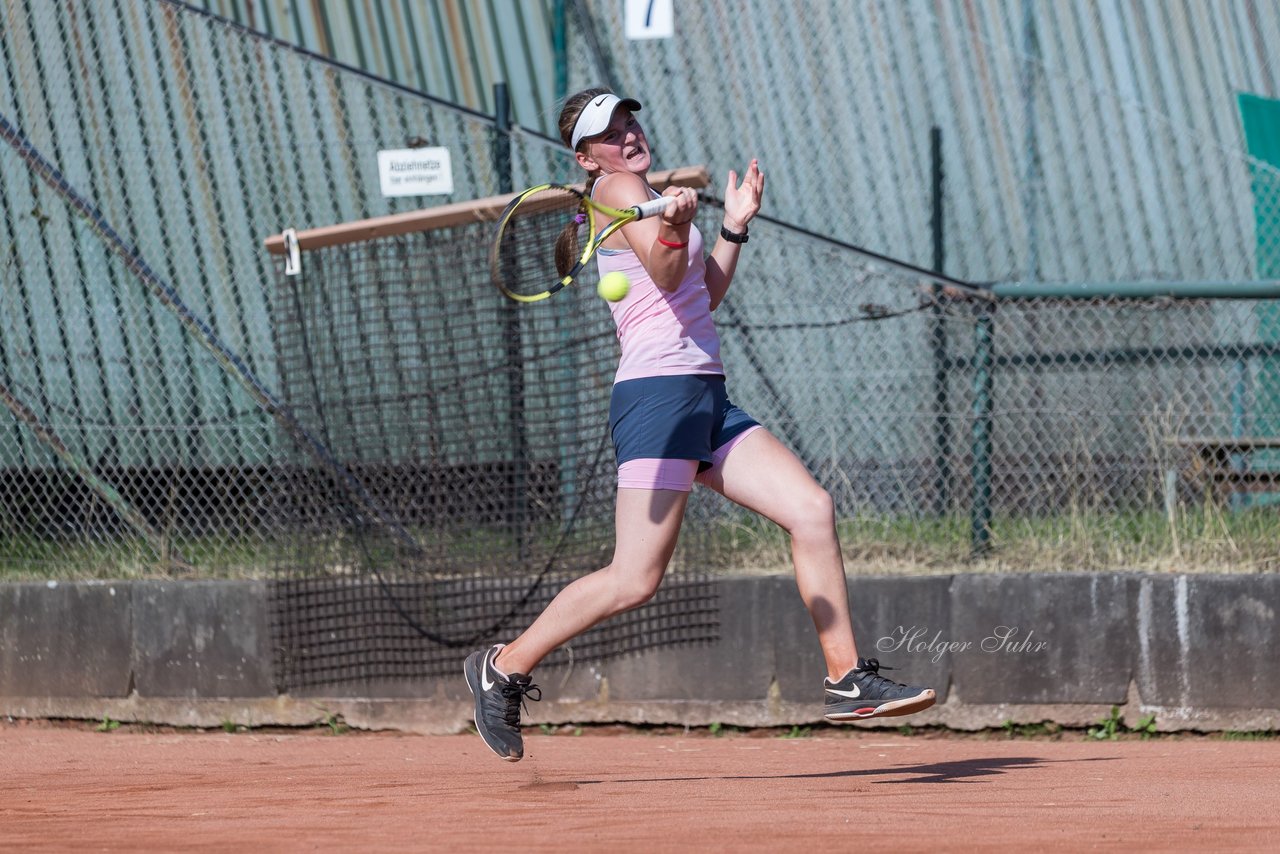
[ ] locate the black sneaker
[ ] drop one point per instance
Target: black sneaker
(863, 693)
(498, 701)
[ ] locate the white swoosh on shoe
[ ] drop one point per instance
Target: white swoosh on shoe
(485, 682)
(852, 695)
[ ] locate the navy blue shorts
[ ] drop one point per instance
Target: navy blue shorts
(685, 417)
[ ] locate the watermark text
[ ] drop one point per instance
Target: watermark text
(1008, 640)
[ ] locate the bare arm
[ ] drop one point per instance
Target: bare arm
(660, 243)
(741, 204)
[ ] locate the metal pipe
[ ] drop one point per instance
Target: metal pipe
(1257, 289)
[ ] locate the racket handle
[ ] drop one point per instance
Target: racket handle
(652, 207)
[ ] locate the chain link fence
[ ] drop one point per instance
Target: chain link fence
(1048, 432)
(1083, 141)
(149, 149)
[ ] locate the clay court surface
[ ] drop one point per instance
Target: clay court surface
(71, 788)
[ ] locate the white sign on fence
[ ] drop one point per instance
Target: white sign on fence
(415, 172)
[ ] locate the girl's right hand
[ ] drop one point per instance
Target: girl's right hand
(683, 209)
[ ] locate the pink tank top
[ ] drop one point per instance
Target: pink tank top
(663, 333)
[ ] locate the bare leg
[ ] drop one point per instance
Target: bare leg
(648, 523)
(763, 475)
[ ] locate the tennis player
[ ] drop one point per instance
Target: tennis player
(673, 425)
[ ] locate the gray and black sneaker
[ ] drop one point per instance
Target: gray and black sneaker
(498, 700)
(863, 693)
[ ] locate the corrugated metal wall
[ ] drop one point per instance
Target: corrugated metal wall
(192, 139)
(1083, 140)
(450, 49)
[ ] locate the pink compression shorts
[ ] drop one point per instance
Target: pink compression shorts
(650, 473)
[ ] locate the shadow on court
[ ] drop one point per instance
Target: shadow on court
(958, 771)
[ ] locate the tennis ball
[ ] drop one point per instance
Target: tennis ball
(613, 286)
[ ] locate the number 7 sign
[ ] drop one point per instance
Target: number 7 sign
(650, 19)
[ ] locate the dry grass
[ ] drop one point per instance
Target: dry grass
(1192, 539)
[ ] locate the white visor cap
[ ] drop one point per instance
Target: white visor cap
(596, 115)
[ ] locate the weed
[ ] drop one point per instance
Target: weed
(716, 728)
(1146, 726)
(1257, 735)
(797, 732)
(906, 729)
(1014, 730)
(1113, 726)
(107, 725)
(335, 723)
(1108, 728)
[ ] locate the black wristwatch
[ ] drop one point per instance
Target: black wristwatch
(733, 236)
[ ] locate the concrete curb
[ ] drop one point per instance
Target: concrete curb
(1193, 650)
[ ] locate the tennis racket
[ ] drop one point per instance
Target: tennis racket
(536, 252)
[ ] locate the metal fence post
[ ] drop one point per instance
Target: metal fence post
(938, 337)
(515, 360)
(980, 512)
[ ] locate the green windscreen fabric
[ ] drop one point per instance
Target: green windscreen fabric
(1260, 118)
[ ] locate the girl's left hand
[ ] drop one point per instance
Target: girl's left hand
(742, 203)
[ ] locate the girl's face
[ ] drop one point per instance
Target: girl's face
(621, 148)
